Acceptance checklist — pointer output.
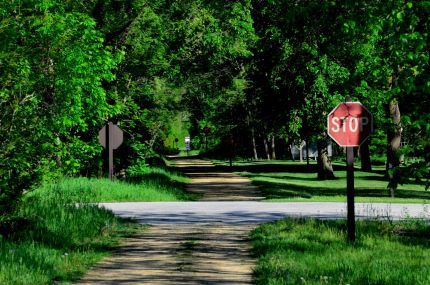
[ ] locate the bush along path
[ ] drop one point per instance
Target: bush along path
(187, 252)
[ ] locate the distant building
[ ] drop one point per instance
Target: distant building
(313, 151)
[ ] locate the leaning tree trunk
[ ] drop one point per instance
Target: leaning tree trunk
(254, 145)
(394, 135)
(365, 156)
(266, 148)
(273, 148)
(325, 168)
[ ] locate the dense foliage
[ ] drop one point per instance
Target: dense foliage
(259, 74)
(53, 64)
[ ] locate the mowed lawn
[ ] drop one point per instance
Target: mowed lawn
(295, 181)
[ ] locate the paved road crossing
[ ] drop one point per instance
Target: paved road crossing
(205, 242)
(239, 212)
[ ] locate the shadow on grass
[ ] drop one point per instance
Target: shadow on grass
(256, 168)
(177, 188)
(281, 176)
(264, 166)
(375, 178)
(67, 227)
(161, 178)
(273, 190)
(261, 170)
(46, 232)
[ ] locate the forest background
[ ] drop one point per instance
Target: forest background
(260, 74)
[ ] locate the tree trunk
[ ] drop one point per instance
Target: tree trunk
(266, 148)
(302, 144)
(394, 135)
(307, 151)
(254, 145)
(365, 156)
(325, 168)
(273, 148)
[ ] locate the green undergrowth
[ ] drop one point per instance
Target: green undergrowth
(307, 251)
(154, 184)
(58, 232)
(53, 238)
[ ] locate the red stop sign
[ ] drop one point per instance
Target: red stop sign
(349, 124)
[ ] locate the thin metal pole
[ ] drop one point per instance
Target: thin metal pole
(109, 150)
(350, 189)
(350, 193)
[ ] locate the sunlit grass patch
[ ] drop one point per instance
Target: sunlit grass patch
(298, 251)
(55, 238)
(153, 185)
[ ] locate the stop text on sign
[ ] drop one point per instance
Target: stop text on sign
(349, 124)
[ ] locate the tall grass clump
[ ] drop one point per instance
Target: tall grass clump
(151, 184)
(306, 251)
(58, 231)
(55, 236)
(159, 179)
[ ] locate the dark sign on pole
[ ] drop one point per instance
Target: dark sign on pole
(110, 137)
(349, 125)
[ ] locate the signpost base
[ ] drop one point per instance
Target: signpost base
(350, 193)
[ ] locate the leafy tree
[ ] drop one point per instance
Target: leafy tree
(53, 64)
(214, 39)
(407, 55)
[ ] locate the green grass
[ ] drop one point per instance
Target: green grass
(57, 233)
(294, 181)
(369, 187)
(155, 184)
(298, 251)
(51, 240)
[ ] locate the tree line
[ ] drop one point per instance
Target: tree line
(256, 72)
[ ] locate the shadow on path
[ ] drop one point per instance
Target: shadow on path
(215, 185)
(185, 254)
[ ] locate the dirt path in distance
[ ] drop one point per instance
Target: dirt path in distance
(214, 185)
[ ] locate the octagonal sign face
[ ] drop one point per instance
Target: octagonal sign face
(349, 124)
(115, 133)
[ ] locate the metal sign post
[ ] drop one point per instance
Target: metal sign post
(349, 125)
(187, 145)
(350, 220)
(110, 137)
